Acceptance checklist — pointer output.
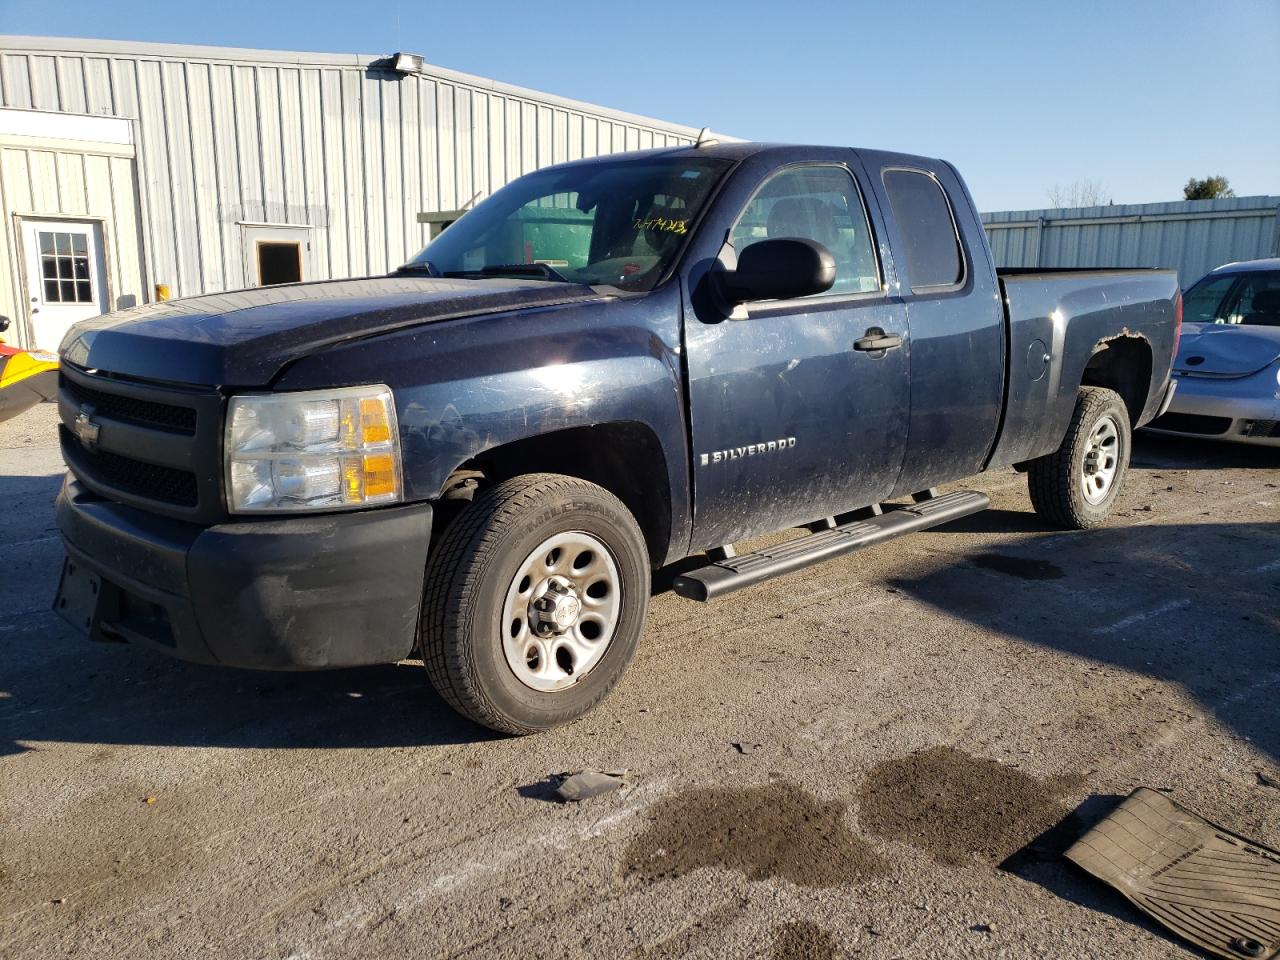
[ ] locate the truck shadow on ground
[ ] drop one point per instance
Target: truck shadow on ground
(108, 694)
(56, 686)
(1197, 605)
(1158, 451)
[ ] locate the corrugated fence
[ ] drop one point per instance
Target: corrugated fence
(1193, 236)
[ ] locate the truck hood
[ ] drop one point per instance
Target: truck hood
(244, 338)
(1226, 349)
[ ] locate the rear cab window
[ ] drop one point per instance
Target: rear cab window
(931, 250)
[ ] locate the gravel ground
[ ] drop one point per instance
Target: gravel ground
(850, 761)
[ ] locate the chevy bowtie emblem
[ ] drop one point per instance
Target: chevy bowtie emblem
(84, 428)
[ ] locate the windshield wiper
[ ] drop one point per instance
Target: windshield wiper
(421, 266)
(539, 270)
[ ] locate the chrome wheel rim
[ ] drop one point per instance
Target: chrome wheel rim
(1101, 460)
(561, 611)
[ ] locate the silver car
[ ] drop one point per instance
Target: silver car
(1228, 363)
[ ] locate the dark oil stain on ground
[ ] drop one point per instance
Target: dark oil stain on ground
(775, 830)
(804, 941)
(1019, 566)
(956, 807)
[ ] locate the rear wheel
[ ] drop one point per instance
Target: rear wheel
(534, 601)
(1076, 486)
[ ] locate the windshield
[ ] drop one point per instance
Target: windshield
(620, 223)
(1245, 298)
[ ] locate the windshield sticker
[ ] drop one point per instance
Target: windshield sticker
(663, 225)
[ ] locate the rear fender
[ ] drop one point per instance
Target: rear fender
(1070, 329)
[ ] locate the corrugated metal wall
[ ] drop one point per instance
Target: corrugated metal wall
(352, 150)
(1193, 236)
(73, 185)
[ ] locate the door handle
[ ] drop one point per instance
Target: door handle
(877, 339)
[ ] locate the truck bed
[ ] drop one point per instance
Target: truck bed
(1057, 320)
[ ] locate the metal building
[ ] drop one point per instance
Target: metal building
(1193, 236)
(124, 166)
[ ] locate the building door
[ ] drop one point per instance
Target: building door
(275, 255)
(65, 272)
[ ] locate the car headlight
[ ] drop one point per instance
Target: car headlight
(315, 450)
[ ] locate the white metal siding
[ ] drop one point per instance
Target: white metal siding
(330, 142)
(1193, 236)
(63, 183)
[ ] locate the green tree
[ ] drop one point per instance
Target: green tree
(1210, 188)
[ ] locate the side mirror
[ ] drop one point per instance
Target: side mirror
(780, 270)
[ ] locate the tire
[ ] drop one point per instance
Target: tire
(1058, 481)
(544, 674)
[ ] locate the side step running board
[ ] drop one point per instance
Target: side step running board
(728, 574)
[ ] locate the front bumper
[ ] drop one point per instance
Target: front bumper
(300, 593)
(1241, 410)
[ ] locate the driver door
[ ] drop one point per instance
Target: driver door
(790, 422)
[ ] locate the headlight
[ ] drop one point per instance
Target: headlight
(319, 450)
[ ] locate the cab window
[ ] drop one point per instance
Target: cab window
(815, 203)
(929, 237)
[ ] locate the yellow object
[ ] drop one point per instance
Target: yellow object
(352, 480)
(375, 425)
(371, 476)
(26, 378)
(26, 364)
(162, 291)
(379, 475)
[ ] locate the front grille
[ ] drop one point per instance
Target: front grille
(149, 445)
(147, 480)
(1262, 428)
(1192, 423)
(145, 413)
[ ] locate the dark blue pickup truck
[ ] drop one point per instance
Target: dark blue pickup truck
(606, 367)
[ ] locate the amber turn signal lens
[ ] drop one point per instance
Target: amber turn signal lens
(375, 424)
(379, 476)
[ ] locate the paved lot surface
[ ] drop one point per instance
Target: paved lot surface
(910, 717)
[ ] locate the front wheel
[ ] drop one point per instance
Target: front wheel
(1076, 486)
(534, 601)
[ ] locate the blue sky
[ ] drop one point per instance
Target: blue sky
(1137, 94)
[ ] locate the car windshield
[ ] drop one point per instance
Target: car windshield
(1238, 298)
(619, 223)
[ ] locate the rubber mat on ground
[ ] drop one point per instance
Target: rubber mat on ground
(1206, 884)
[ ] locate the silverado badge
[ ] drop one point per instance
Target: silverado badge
(750, 450)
